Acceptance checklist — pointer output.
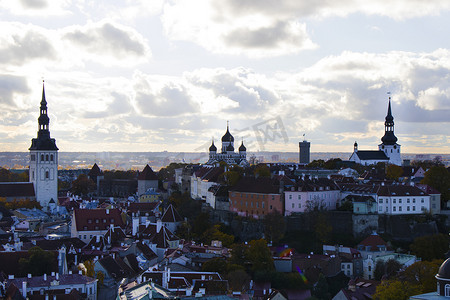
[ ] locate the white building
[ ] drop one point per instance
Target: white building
(310, 193)
(388, 150)
(402, 199)
(44, 161)
(227, 154)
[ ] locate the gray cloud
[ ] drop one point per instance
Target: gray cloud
(26, 46)
(267, 37)
(119, 106)
(11, 85)
(34, 4)
(108, 38)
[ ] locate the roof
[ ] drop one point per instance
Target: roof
(400, 190)
(171, 215)
(364, 289)
(95, 171)
(97, 219)
(371, 155)
(373, 241)
(64, 279)
(17, 189)
(113, 268)
(260, 185)
(147, 174)
(428, 189)
(209, 174)
(57, 244)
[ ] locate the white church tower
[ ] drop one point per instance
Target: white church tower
(389, 141)
(44, 162)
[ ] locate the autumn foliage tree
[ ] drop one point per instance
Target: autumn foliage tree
(431, 246)
(394, 172)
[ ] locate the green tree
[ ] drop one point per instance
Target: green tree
(39, 262)
(439, 178)
(83, 185)
(320, 290)
(214, 233)
(323, 228)
(238, 254)
(274, 226)
(262, 170)
(392, 268)
(230, 178)
(332, 163)
(430, 247)
(259, 256)
(319, 163)
(380, 270)
(238, 280)
(215, 265)
(395, 290)
(422, 274)
(394, 172)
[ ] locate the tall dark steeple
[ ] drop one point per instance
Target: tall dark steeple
(389, 138)
(43, 140)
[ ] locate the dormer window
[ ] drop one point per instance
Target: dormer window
(104, 220)
(89, 221)
(97, 221)
(112, 220)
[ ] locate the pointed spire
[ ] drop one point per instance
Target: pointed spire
(389, 138)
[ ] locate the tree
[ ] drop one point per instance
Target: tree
(230, 178)
(201, 224)
(320, 290)
(430, 247)
(89, 265)
(238, 254)
(274, 226)
(422, 274)
(392, 268)
(380, 270)
(323, 228)
(394, 172)
(395, 290)
(262, 170)
(83, 185)
(259, 256)
(439, 178)
(214, 233)
(100, 277)
(319, 163)
(238, 280)
(215, 265)
(332, 163)
(39, 262)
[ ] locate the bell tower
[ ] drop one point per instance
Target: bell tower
(389, 141)
(44, 161)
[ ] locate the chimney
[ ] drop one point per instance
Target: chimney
(24, 289)
(29, 275)
(158, 225)
(53, 273)
(97, 238)
(57, 276)
(10, 276)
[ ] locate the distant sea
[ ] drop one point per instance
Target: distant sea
(138, 160)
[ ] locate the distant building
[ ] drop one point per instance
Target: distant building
(44, 161)
(388, 151)
(304, 152)
(147, 179)
(18, 191)
(227, 153)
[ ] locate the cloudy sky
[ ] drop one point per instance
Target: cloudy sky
(167, 75)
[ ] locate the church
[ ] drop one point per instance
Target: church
(227, 153)
(388, 151)
(44, 161)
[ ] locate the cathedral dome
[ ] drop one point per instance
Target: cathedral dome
(230, 147)
(444, 270)
(213, 147)
(227, 137)
(389, 138)
(242, 148)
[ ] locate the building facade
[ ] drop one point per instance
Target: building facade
(304, 151)
(44, 161)
(227, 153)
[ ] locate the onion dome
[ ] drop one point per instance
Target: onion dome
(213, 147)
(242, 147)
(230, 147)
(227, 137)
(444, 270)
(355, 145)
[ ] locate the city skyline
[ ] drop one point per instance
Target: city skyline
(169, 75)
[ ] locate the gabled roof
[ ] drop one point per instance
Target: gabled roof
(16, 189)
(147, 174)
(97, 219)
(113, 268)
(171, 215)
(428, 189)
(57, 244)
(146, 251)
(372, 243)
(400, 190)
(95, 171)
(260, 185)
(371, 155)
(163, 237)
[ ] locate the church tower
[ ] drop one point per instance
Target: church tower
(389, 141)
(44, 161)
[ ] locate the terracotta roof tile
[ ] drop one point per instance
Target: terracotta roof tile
(97, 219)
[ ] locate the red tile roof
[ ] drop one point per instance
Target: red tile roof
(171, 215)
(373, 241)
(97, 219)
(16, 189)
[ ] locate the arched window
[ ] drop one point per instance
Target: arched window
(46, 157)
(42, 157)
(447, 290)
(51, 157)
(46, 175)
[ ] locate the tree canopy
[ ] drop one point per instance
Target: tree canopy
(438, 177)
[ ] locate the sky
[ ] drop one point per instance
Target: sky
(158, 75)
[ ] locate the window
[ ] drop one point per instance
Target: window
(414, 200)
(380, 209)
(271, 207)
(46, 157)
(33, 157)
(51, 157)
(381, 201)
(42, 157)
(89, 221)
(407, 208)
(262, 204)
(299, 205)
(399, 208)
(422, 200)
(394, 200)
(299, 197)
(394, 208)
(447, 290)
(370, 268)
(407, 200)
(293, 205)
(414, 208)
(290, 197)
(273, 197)
(46, 175)
(399, 200)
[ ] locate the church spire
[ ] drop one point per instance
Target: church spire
(43, 141)
(389, 138)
